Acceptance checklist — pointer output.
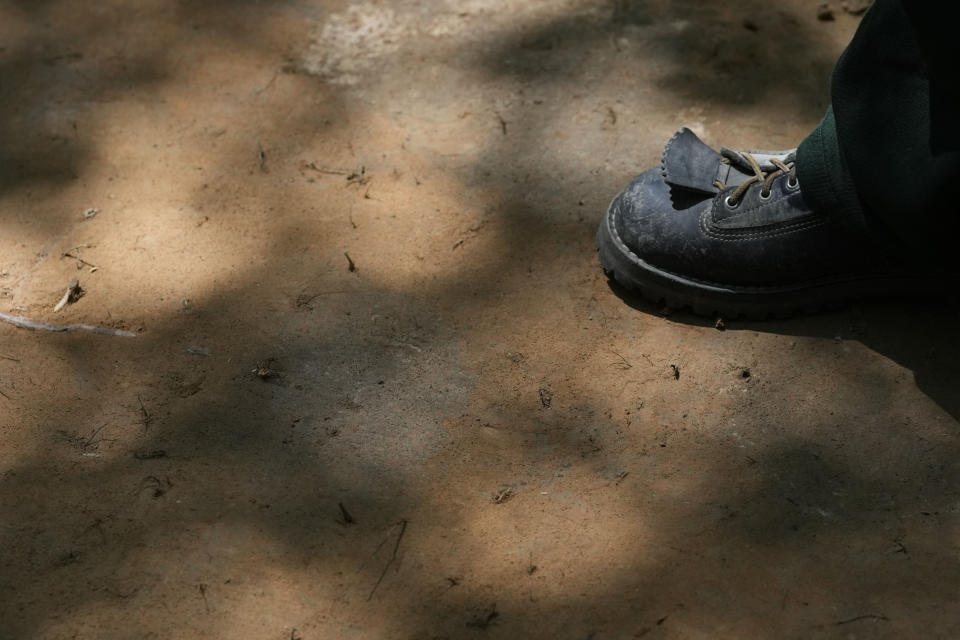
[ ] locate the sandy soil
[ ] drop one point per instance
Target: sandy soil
(461, 430)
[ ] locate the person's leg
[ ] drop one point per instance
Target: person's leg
(889, 149)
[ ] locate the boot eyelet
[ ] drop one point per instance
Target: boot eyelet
(731, 205)
(792, 183)
(764, 198)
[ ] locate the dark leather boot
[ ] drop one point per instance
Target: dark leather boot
(728, 233)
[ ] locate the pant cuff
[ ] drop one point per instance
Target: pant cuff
(826, 183)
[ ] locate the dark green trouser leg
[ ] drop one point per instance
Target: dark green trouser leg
(889, 149)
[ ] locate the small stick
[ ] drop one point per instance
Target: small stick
(347, 518)
(503, 124)
(623, 364)
(350, 265)
(327, 170)
(203, 592)
(396, 547)
(63, 301)
(72, 294)
(80, 260)
(869, 616)
(377, 550)
(304, 299)
(405, 344)
(145, 417)
(261, 158)
(3, 357)
(268, 85)
(90, 441)
(359, 176)
(33, 325)
(150, 455)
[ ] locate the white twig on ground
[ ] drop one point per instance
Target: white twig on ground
(33, 325)
(73, 293)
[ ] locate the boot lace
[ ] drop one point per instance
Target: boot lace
(782, 168)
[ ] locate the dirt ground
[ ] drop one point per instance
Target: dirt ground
(380, 387)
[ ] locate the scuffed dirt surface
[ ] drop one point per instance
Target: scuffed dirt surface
(380, 387)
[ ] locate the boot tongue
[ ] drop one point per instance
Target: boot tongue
(763, 158)
(689, 163)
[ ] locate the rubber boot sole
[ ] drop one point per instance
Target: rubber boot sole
(731, 301)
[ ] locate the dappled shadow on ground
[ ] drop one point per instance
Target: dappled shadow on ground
(714, 53)
(489, 444)
(918, 334)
